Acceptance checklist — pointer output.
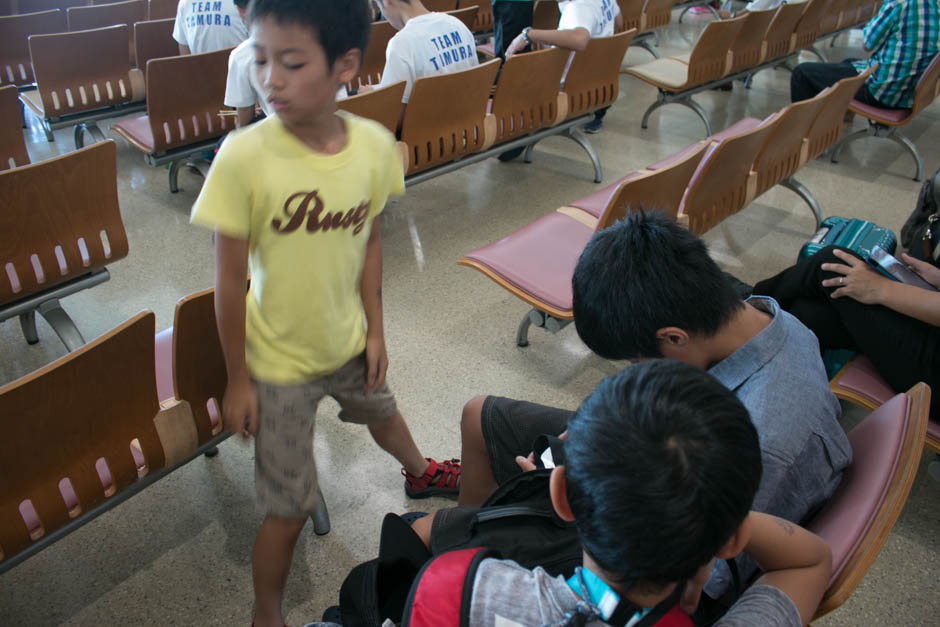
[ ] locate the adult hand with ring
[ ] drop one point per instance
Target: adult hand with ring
(858, 280)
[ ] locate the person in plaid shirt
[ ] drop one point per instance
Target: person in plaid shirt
(903, 38)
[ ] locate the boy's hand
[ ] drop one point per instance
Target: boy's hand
(376, 361)
(240, 408)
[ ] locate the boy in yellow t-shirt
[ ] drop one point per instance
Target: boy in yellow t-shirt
(295, 199)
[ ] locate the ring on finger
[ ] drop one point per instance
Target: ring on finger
(841, 280)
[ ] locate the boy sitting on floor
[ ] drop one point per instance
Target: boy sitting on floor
(661, 466)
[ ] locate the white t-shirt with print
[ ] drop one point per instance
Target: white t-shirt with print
(242, 88)
(208, 26)
(435, 43)
(595, 16)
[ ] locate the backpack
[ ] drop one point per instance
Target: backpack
(920, 234)
(442, 596)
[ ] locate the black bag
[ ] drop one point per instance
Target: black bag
(920, 235)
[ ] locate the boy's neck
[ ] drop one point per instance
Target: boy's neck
(642, 598)
(741, 329)
(415, 9)
(325, 133)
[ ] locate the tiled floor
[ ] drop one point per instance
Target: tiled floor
(178, 552)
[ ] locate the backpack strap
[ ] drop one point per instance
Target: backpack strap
(443, 588)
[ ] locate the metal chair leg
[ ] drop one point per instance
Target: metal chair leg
(522, 333)
(47, 129)
(803, 192)
(688, 102)
(174, 176)
(660, 101)
(817, 52)
(897, 138)
(28, 325)
(527, 155)
(320, 516)
(645, 44)
(92, 129)
(579, 138)
(60, 322)
(848, 139)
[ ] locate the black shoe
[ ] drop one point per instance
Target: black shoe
(509, 155)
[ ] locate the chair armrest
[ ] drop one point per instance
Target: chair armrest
(561, 108)
(490, 131)
(403, 151)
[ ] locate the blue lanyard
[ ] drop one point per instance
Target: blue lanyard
(592, 588)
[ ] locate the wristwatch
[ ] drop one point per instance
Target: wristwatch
(525, 34)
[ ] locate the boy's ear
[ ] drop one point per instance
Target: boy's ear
(558, 487)
(346, 65)
(737, 541)
(673, 337)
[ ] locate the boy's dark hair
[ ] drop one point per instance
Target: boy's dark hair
(339, 25)
(662, 464)
(642, 274)
(241, 4)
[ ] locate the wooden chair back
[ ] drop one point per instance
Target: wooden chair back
(12, 143)
(484, 21)
(8, 7)
(153, 39)
(373, 60)
(440, 6)
(593, 79)
(928, 86)
(827, 127)
(656, 14)
(748, 49)
(847, 13)
(96, 16)
(182, 117)
(786, 147)
(49, 5)
(82, 71)
(527, 94)
(15, 66)
(62, 423)
(467, 16)
(382, 105)
(719, 187)
(659, 190)
(199, 376)
(430, 138)
(632, 12)
(865, 11)
(50, 233)
(162, 9)
(711, 57)
(545, 15)
(857, 519)
(779, 36)
(810, 26)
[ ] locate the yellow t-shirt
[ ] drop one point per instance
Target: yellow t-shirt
(307, 219)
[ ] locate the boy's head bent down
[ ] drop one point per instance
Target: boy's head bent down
(305, 50)
(661, 466)
(646, 285)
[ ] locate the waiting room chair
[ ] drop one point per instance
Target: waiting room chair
(83, 434)
(15, 66)
(484, 21)
(527, 96)
(83, 77)
(440, 6)
(545, 15)
(97, 16)
(886, 122)
(468, 15)
(749, 48)
(373, 60)
(181, 123)
(60, 226)
(12, 143)
(856, 521)
(810, 26)
(779, 35)
(382, 104)
(153, 39)
(161, 10)
(828, 125)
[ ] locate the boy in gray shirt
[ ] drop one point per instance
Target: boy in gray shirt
(646, 479)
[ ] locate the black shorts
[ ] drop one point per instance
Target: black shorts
(510, 427)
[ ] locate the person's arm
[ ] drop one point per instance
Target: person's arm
(862, 283)
(370, 288)
(884, 23)
(573, 39)
(245, 116)
(618, 22)
(240, 402)
(184, 50)
(794, 560)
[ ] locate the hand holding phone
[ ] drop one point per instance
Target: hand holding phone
(892, 268)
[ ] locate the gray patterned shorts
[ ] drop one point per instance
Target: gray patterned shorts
(285, 471)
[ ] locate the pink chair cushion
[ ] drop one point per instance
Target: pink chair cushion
(885, 116)
(876, 447)
(539, 258)
(933, 430)
(863, 379)
(741, 126)
(163, 349)
(139, 130)
(597, 202)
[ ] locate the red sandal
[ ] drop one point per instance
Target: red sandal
(440, 479)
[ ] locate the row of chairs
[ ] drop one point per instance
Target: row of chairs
(739, 48)
(533, 99)
(156, 9)
(482, 21)
(700, 186)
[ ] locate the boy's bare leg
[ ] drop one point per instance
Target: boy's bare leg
(422, 527)
(270, 563)
(395, 438)
(476, 477)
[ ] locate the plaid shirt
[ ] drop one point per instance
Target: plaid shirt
(903, 38)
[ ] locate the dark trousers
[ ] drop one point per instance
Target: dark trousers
(808, 79)
(509, 18)
(904, 350)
